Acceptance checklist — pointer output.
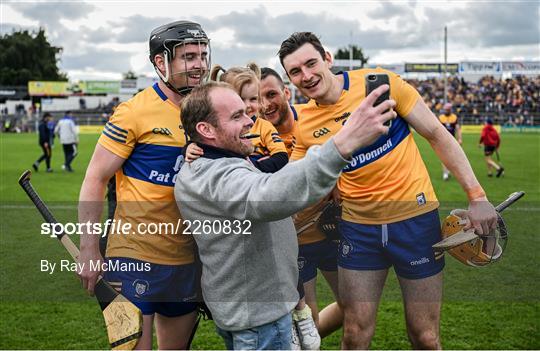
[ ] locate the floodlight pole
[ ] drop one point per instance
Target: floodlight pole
(351, 53)
(445, 65)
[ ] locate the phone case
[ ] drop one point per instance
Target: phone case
(375, 80)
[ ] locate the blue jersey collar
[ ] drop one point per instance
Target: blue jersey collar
(159, 92)
(345, 79)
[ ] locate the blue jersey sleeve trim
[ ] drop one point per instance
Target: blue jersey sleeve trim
(117, 128)
(110, 130)
(113, 138)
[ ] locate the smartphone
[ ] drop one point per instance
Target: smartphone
(375, 80)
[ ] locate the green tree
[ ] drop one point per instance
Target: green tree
(358, 54)
(28, 56)
(129, 75)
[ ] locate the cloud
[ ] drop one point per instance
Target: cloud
(137, 28)
(8, 28)
(95, 36)
(51, 13)
(255, 33)
(388, 10)
(50, 16)
(501, 24)
(489, 24)
(242, 55)
(97, 59)
(259, 27)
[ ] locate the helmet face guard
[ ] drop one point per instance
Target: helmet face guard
(194, 45)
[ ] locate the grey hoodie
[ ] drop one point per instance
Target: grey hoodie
(250, 279)
(67, 131)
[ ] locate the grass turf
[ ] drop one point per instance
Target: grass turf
(497, 307)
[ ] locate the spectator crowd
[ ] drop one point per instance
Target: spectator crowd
(513, 101)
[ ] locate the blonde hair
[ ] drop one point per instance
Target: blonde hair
(237, 77)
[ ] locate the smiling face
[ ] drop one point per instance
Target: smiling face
(232, 122)
(275, 100)
(309, 72)
(189, 65)
(250, 96)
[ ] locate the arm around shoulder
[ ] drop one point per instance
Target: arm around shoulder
(243, 192)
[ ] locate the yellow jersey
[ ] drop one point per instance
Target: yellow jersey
(385, 182)
(269, 142)
(289, 138)
(145, 131)
(305, 220)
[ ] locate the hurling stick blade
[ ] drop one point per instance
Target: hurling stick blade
(455, 240)
(468, 235)
(122, 318)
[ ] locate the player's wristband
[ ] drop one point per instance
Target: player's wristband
(475, 193)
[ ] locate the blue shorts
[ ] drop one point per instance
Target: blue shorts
(321, 254)
(406, 245)
(155, 288)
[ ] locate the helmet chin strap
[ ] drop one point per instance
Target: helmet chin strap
(183, 91)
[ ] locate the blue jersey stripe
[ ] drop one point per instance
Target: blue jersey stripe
(295, 114)
(117, 128)
(113, 138)
(345, 80)
(156, 164)
(382, 146)
(159, 92)
(111, 131)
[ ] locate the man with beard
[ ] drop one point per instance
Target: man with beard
(316, 251)
(247, 243)
(142, 143)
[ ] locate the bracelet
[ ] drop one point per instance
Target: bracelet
(475, 193)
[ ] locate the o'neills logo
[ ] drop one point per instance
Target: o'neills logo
(420, 261)
(373, 154)
(342, 117)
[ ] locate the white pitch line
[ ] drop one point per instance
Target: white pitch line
(509, 209)
(66, 207)
(26, 207)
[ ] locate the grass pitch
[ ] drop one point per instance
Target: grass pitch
(497, 307)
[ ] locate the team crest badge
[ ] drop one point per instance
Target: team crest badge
(346, 248)
(141, 286)
(421, 199)
(301, 263)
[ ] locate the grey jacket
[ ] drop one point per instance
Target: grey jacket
(250, 279)
(67, 131)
